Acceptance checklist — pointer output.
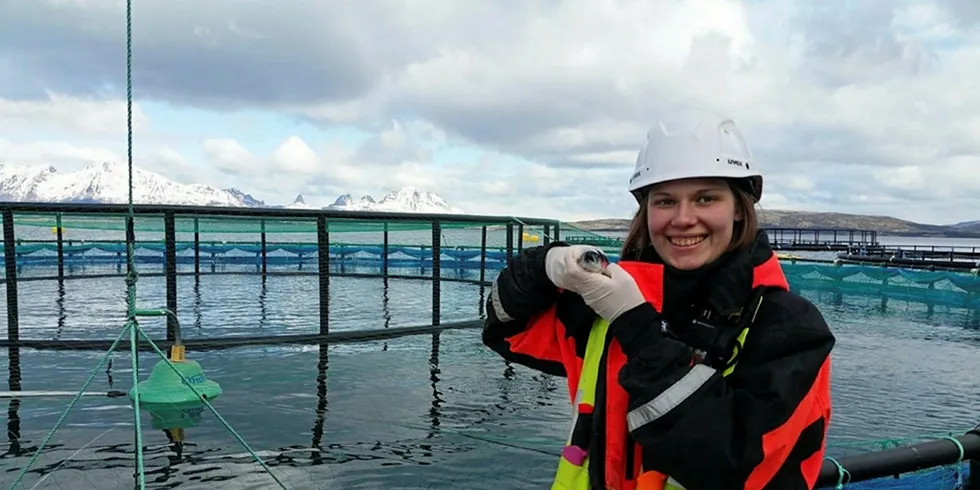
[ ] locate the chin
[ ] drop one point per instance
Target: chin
(686, 263)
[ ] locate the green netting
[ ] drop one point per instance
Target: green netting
(235, 224)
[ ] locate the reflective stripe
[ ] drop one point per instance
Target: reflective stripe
(672, 484)
(498, 308)
(590, 362)
(671, 397)
(574, 476)
(739, 344)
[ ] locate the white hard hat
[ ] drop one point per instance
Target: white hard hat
(694, 145)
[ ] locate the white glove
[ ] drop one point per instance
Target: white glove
(608, 295)
(562, 261)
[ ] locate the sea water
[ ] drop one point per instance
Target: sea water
(428, 411)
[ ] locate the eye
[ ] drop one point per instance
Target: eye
(661, 202)
(706, 199)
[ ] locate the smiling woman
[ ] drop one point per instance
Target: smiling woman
(650, 345)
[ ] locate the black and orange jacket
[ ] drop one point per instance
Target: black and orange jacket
(761, 427)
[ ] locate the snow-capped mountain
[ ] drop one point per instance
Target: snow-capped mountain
(299, 203)
(406, 199)
(346, 203)
(109, 183)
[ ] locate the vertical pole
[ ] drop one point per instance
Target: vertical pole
(265, 261)
(384, 253)
(436, 272)
(510, 240)
(61, 248)
(13, 329)
(10, 267)
(197, 247)
(520, 238)
(483, 254)
(557, 234)
(170, 251)
(323, 261)
(546, 239)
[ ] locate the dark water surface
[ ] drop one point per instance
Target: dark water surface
(416, 412)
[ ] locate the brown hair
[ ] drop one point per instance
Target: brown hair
(743, 234)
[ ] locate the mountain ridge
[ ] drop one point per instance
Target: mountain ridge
(108, 183)
(813, 220)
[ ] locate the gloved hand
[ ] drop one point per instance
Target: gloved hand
(561, 264)
(608, 295)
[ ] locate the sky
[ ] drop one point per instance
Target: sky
(512, 107)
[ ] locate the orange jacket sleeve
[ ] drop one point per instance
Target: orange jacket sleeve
(522, 323)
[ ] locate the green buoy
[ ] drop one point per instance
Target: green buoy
(174, 417)
(164, 386)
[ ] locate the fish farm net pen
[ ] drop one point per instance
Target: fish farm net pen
(432, 242)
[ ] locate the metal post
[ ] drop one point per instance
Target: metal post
(384, 253)
(13, 329)
(10, 267)
(520, 238)
(170, 252)
(264, 250)
(483, 254)
(197, 248)
(436, 272)
(61, 248)
(323, 261)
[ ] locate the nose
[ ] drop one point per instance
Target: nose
(684, 215)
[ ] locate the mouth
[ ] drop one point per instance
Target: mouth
(687, 241)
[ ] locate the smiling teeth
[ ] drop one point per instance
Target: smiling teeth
(687, 241)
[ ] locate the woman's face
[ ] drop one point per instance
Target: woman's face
(691, 221)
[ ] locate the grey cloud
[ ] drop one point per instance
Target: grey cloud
(224, 55)
(391, 147)
(855, 42)
(847, 187)
(964, 13)
(807, 146)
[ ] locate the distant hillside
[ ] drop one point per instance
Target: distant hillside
(802, 219)
(972, 226)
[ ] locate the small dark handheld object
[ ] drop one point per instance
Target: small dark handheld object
(594, 261)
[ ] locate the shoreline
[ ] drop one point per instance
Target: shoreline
(973, 235)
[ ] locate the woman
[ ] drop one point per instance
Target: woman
(689, 363)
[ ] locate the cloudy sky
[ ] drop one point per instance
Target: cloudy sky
(525, 107)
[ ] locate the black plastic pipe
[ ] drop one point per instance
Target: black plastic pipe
(907, 459)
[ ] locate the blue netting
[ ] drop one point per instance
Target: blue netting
(941, 478)
(953, 288)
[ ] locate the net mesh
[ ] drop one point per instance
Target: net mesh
(953, 477)
(228, 224)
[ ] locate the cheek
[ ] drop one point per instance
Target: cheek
(720, 223)
(656, 223)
